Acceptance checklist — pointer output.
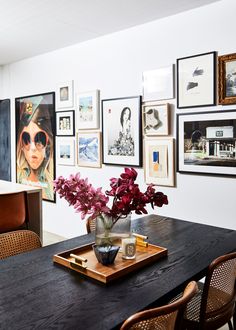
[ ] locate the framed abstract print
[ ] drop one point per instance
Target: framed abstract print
(158, 84)
(207, 143)
(65, 94)
(159, 161)
(121, 128)
(88, 110)
(65, 151)
(65, 123)
(35, 142)
(89, 148)
(196, 80)
(155, 118)
(227, 79)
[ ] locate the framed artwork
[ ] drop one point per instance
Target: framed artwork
(35, 141)
(196, 80)
(65, 123)
(88, 110)
(65, 94)
(65, 151)
(89, 149)
(227, 79)
(155, 118)
(158, 84)
(159, 161)
(207, 143)
(121, 127)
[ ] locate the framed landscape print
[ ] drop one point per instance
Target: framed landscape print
(227, 79)
(35, 141)
(207, 143)
(88, 110)
(159, 161)
(155, 118)
(196, 80)
(158, 84)
(65, 123)
(121, 128)
(65, 151)
(89, 149)
(65, 94)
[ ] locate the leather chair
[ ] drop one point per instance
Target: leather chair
(14, 211)
(90, 225)
(19, 241)
(214, 304)
(168, 317)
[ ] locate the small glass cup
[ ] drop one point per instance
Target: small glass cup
(129, 247)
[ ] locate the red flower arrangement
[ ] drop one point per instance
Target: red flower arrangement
(126, 194)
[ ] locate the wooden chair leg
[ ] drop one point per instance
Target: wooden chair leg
(234, 318)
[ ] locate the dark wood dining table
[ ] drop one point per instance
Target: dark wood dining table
(36, 293)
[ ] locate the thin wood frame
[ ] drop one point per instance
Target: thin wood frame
(158, 124)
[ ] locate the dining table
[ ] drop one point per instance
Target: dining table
(37, 293)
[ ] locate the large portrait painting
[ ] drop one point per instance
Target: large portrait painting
(207, 143)
(35, 139)
(122, 131)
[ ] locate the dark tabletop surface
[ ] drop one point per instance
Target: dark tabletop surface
(35, 293)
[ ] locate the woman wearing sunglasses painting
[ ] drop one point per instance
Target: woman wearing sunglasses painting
(35, 146)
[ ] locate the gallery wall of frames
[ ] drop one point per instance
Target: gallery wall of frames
(134, 130)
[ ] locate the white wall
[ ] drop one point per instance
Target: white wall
(114, 64)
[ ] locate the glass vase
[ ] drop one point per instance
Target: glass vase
(109, 233)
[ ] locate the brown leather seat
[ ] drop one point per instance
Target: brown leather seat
(214, 305)
(13, 211)
(168, 317)
(19, 241)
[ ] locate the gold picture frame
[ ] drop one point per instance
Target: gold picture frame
(227, 79)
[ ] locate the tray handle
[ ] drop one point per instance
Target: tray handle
(140, 240)
(79, 261)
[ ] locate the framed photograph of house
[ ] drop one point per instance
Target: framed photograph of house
(88, 115)
(122, 132)
(65, 94)
(35, 142)
(65, 123)
(65, 151)
(227, 79)
(89, 149)
(158, 84)
(159, 161)
(155, 118)
(207, 143)
(196, 80)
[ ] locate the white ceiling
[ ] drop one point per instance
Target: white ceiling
(33, 27)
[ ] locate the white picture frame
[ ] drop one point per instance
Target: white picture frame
(89, 149)
(65, 123)
(159, 161)
(158, 84)
(65, 151)
(155, 118)
(88, 110)
(65, 94)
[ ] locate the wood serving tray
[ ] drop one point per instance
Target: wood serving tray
(92, 268)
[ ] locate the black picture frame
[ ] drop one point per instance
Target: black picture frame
(122, 131)
(196, 80)
(65, 123)
(35, 160)
(206, 143)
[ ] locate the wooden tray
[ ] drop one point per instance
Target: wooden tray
(92, 268)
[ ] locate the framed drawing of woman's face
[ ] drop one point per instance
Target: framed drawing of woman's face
(121, 127)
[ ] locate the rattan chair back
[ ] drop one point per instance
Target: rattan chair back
(19, 241)
(13, 211)
(90, 225)
(166, 317)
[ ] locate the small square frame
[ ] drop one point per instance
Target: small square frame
(155, 118)
(89, 149)
(65, 151)
(65, 123)
(65, 95)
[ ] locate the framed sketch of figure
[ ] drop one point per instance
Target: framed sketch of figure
(155, 118)
(35, 140)
(121, 127)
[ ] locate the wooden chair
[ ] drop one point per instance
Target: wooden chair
(19, 241)
(90, 225)
(214, 304)
(14, 211)
(166, 317)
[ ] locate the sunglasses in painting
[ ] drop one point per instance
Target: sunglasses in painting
(40, 140)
